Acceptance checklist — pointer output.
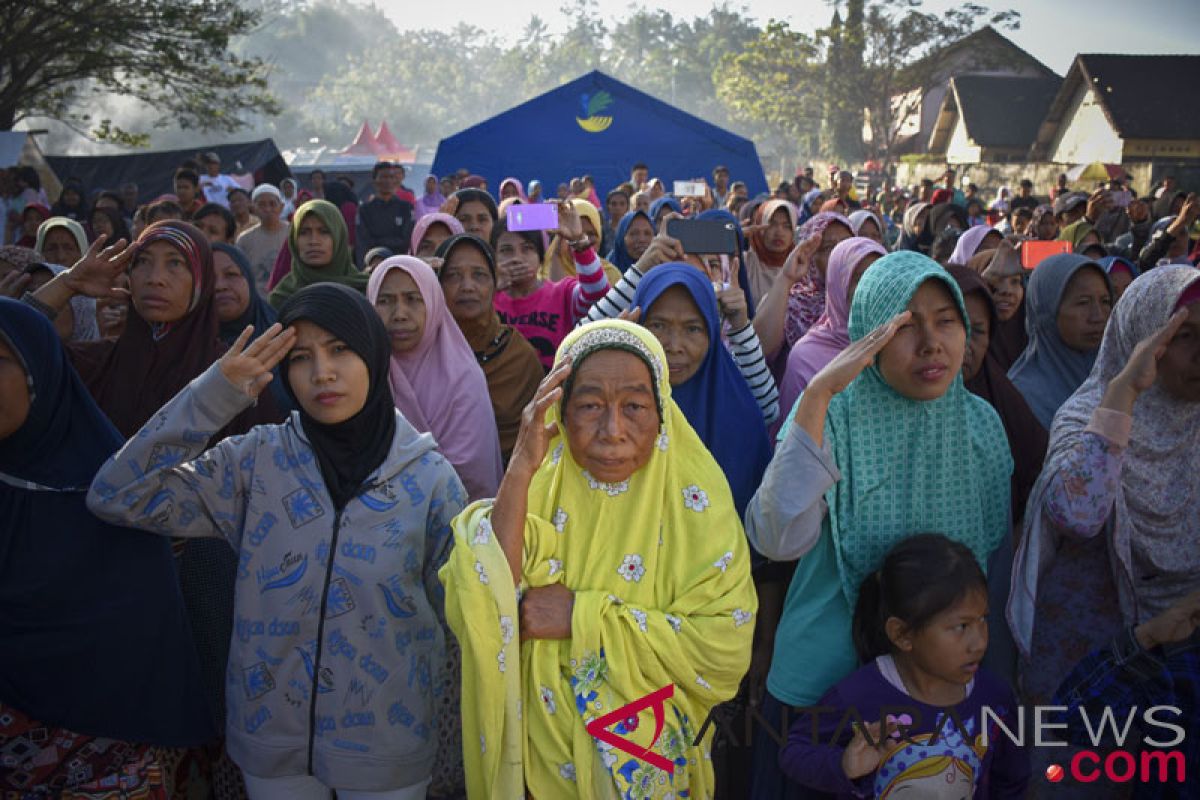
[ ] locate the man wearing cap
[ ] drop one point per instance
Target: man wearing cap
(213, 184)
(262, 243)
(1070, 208)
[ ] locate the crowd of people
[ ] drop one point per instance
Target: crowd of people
(302, 495)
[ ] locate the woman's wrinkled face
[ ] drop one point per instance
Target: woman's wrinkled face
(102, 226)
(329, 379)
(1179, 368)
(14, 391)
(160, 281)
(779, 234)
(610, 418)
(476, 219)
(435, 234)
(678, 324)
(638, 237)
(314, 240)
(830, 237)
(402, 308)
(231, 292)
(1007, 292)
(870, 230)
(977, 345)
(517, 259)
(60, 247)
(856, 276)
(468, 284)
(926, 354)
(1084, 309)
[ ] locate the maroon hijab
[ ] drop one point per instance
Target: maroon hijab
(133, 377)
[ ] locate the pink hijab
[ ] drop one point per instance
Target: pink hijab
(829, 335)
(520, 189)
(439, 386)
(428, 221)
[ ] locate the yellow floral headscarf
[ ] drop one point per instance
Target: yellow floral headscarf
(661, 575)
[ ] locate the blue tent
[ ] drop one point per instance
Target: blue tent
(596, 125)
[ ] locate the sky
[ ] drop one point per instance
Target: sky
(1053, 31)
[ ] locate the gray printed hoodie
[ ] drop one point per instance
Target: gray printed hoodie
(339, 621)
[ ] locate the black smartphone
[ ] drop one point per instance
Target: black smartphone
(704, 235)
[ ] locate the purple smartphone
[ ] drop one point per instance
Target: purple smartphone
(532, 217)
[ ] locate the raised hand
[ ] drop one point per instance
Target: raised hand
(570, 227)
(798, 261)
(847, 365)
(249, 368)
(633, 315)
(450, 206)
(14, 283)
(1140, 372)
(1097, 204)
(732, 300)
(95, 274)
(663, 249)
(862, 756)
(533, 440)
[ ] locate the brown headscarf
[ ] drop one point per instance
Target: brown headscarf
(509, 362)
(1008, 338)
(1026, 437)
(134, 376)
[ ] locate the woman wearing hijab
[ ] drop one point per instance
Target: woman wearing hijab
(312, 509)
(431, 201)
(661, 207)
(772, 238)
(72, 202)
(634, 233)
(509, 362)
(1121, 273)
(831, 496)
(867, 224)
(915, 234)
(806, 299)
(429, 233)
(679, 307)
(984, 377)
(830, 335)
(1118, 497)
(642, 541)
(62, 240)
(108, 222)
(975, 239)
(1081, 235)
(436, 381)
(511, 187)
(1069, 300)
(319, 244)
(559, 261)
(97, 667)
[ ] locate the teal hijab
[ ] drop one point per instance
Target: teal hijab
(910, 466)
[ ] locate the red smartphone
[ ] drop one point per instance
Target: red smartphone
(532, 217)
(1035, 252)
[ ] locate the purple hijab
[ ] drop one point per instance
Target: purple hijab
(806, 301)
(430, 202)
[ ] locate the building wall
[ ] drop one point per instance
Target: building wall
(960, 149)
(1086, 135)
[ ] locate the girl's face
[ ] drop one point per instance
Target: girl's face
(951, 645)
(329, 379)
(1179, 368)
(314, 240)
(508, 191)
(1047, 227)
(779, 234)
(102, 226)
(516, 259)
(14, 392)
(1084, 309)
(60, 247)
(435, 234)
(1007, 291)
(402, 309)
(675, 321)
(977, 345)
(926, 354)
(467, 283)
(160, 281)
(638, 237)
(833, 234)
(231, 293)
(476, 219)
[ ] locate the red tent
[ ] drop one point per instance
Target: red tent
(364, 143)
(390, 148)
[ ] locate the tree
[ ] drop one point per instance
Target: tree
(775, 82)
(842, 133)
(902, 59)
(174, 55)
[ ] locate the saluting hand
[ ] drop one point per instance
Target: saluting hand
(533, 439)
(847, 365)
(95, 274)
(249, 368)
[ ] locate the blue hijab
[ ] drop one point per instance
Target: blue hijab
(1048, 371)
(656, 208)
(93, 635)
(743, 276)
(1109, 262)
(716, 400)
(619, 256)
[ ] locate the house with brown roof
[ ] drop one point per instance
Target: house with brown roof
(991, 118)
(1119, 109)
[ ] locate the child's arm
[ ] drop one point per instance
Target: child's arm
(813, 758)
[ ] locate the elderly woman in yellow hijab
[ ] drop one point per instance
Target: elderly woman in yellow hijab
(632, 574)
(560, 261)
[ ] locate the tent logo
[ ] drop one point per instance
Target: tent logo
(592, 105)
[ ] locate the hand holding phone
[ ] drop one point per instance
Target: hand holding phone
(690, 188)
(704, 235)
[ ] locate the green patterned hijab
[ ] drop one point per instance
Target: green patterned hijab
(340, 270)
(909, 466)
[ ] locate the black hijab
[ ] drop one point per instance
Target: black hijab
(477, 195)
(349, 451)
(258, 311)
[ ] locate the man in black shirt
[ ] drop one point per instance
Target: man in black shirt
(386, 220)
(1025, 198)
